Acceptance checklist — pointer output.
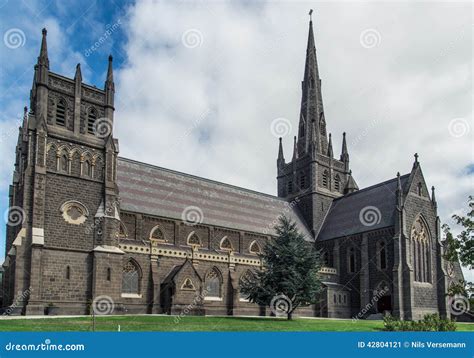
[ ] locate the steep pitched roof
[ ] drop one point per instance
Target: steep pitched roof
(162, 192)
(346, 215)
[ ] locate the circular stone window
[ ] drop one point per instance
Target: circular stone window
(74, 212)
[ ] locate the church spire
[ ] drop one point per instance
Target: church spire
(281, 158)
(330, 151)
(433, 197)
(78, 74)
(295, 150)
(399, 192)
(344, 152)
(312, 113)
(43, 56)
(109, 88)
(110, 71)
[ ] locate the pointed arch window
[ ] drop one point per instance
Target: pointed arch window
(131, 278)
(122, 234)
(325, 178)
(213, 285)
(337, 183)
(290, 187)
(421, 258)
(91, 118)
(382, 255)
(246, 277)
(61, 113)
(255, 248)
(109, 273)
(64, 163)
(226, 244)
(157, 234)
(351, 260)
(87, 169)
(194, 240)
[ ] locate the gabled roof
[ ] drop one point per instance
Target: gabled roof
(346, 215)
(162, 192)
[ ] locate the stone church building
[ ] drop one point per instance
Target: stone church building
(92, 225)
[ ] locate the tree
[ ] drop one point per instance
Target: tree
(461, 247)
(289, 278)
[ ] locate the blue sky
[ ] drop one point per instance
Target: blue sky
(198, 84)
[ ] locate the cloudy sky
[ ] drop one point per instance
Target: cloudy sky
(199, 84)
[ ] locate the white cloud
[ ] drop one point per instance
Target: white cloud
(394, 99)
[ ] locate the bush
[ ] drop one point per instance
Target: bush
(430, 322)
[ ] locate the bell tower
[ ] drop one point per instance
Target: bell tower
(314, 177)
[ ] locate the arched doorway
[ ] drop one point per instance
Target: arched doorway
(384, 297)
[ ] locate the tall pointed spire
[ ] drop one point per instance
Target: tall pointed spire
(433, 197)
(312, 113)
(330, 151)
(295, 150)
(110, 71)
(281, 158)
(78, 74)
(43, 56)
(399, 192)
(344, 152)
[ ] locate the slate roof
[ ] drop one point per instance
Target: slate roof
(343, 217)
(162, 192)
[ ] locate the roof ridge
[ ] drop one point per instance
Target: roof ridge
(204, 179)
(371, 187)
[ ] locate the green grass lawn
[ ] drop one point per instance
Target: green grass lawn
(193, 323)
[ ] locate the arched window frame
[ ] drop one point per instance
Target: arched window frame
(254, 248)
(326, 178)
(213, 282)
(246, 276)
(225, 243)
(157, 234)
(351, 260)
(91, 119)
(191, 237)
(109, 274)
(382, 257)
(61, 112)
(337, 183)
(123, 232)
(129, 288)
(420, 238)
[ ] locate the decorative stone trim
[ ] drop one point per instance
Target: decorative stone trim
(328, 270)
(84, 213)
(212, 298)
(131, 295)
(168, 252)
(19, 237)
(38, 236)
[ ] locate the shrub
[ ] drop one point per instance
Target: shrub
(430, 322)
